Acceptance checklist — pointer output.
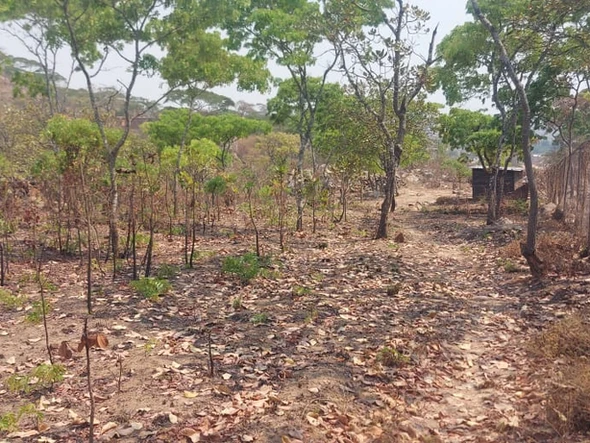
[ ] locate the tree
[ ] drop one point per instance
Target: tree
(93, 30)
(472, 131)
(290, 32)
(176, 127)
(226, 129)
(198, 61)
(347, 141)
(35, 26)
(529, 248)
(376, 62)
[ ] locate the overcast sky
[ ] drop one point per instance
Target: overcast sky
(445, 13)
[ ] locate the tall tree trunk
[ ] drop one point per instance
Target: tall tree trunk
(528, 249)
(113, 213)
(299, 182)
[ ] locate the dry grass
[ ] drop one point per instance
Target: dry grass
(568, 397)
(569, 337)
(559, 250)
(568, 404)
(511, 250)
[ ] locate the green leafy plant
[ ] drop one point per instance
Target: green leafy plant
(391, 357)
(151, 287)
(299, 291)
(245, 267)
(167, 271)
(141, 239)
(11, 301)
(9, 421)
(35, 315)
(508, 265)
(260, 318)
(149, 345)
(317, 276)
(311, 316)
(40, 377)
(237, 303)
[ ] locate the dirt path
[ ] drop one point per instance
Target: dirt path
(477, 389)
(298, 354)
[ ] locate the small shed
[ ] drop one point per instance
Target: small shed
(480, 181)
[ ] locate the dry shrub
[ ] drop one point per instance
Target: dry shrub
(511, 250)
(568, 405)
(559, 251)
(569, 337)
(568, 398)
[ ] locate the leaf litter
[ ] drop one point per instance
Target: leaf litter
(315, 370)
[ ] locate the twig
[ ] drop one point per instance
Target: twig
(211, 367)
(120, 363)
(43, 306)
(89, 379)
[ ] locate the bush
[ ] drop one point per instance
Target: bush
(11, 301)
(569, 337)
(568, 397)
(391, 357)
(151, 287)
(568, 405)
(35, 315)
(167, 272)
(9, 421)
(40, 377)
(259, 319)
(245, 267)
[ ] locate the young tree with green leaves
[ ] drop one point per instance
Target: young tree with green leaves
(197, 61)
(376, 53)
(94, 30)
(290, 33)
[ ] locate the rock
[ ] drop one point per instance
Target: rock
(548, 209)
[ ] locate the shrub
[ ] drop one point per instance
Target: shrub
(391, 357)
(9, 421)
(11, 301)
(569, 337)
(151, 287)
(568, 397)
(40, 377)
(245, 267)
(167, 272)
(237, 303)
(35, 315)
(568, 401)
(259, 319)
(299, 291)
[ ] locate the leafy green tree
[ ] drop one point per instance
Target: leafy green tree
(377, 63)
(280, 156)
(94, 30)
(197, 61)
(35, 25)
(472, 131)
(348, 142)
(290, 33)
(177, 126)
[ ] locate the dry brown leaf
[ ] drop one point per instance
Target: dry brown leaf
(192, 434)
(108, 426)
(97, 340)
(64, 350)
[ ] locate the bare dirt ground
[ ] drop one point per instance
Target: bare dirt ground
(344, 339)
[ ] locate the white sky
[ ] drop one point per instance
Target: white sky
(446, 13)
